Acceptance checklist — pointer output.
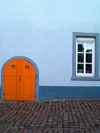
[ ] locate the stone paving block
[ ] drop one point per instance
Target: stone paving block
(50, 116)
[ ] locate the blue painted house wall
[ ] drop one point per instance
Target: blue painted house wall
(0, 92)
(43, 31)
(69, 92)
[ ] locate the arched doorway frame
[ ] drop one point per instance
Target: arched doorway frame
(24, 58)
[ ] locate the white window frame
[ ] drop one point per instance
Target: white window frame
(95, 76)
(85, 40)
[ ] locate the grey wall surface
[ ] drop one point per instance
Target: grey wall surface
(42, 31)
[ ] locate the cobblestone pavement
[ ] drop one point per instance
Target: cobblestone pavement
(63, 116)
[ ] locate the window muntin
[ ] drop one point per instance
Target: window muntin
(85, 57)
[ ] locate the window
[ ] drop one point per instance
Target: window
(85, 62)
(13, 66)
(85, 57)
(26, 67)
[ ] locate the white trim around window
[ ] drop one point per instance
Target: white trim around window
(85, 57)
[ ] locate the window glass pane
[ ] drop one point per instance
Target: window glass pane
(88, 68)
(26, 67)
(80, 47)
(88, 58)
(80, 68)
(13, 66)
(80, 57)
(88, 47)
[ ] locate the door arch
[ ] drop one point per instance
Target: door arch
(22, 64)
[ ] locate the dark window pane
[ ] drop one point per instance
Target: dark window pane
(26, 67)
(13, 66)
(80, 68)
(80, 47)
(89, 58)
(88, 47)
(80, 57)
(88, 68)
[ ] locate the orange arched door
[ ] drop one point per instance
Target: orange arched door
(19, 81)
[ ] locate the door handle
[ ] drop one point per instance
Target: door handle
(19, 78)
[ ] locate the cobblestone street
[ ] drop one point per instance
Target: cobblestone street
(63, 116)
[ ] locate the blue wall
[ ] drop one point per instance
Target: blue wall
(42, 30)
(0, 92)
(67, 92)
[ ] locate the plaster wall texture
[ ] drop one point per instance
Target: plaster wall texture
(42, 31)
